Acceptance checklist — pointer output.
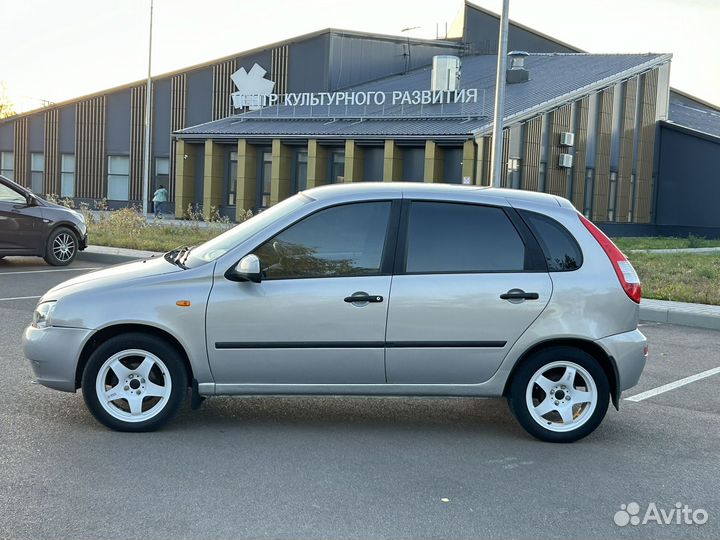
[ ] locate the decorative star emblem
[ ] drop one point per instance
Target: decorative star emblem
(251, 86)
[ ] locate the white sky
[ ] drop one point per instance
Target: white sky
(61, 49)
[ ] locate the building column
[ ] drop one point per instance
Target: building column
(317, 168)
(434, 161)
(393, 163)
(469, 158)
(246, 187)
(212, 178)
(281, 169)
(353, 162)
(184, 177)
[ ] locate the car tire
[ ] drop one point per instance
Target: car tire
(61, 248)
(134, 382)
(560, 394)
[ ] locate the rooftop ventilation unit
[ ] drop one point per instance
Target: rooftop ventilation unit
(517, 72)
(445, 73)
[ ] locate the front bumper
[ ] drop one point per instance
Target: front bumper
(629, 351)
(53, 353)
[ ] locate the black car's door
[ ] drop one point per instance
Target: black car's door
(21, 224)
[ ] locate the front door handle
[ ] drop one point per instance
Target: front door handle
(519, 294)
(362, 297)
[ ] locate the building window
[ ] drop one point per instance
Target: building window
(7, 164)
(162, 172)
(67, 175)
(265, 180)
(118, 178)
(337, 167)
(232, 180)
(544, 150)
(37, 171)
(301, 163)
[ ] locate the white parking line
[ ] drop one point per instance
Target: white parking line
(671, 386)
(54, 270)
(19, 298)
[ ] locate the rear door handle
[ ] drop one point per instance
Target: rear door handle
(519, 294)
(362, 296)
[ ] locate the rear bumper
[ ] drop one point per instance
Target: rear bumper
(53, 353)
(628, 350)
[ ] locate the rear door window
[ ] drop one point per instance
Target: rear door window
(562, 252)
(461, 238)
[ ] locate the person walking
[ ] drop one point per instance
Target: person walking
(158, 200)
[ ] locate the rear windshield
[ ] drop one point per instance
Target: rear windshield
(562, 252)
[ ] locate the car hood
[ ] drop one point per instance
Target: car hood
(115, 275)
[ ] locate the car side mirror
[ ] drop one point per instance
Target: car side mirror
(31, 201)
(247, 269)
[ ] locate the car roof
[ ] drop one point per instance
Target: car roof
(421, 189)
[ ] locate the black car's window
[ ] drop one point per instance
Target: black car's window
(343, 240)
(450, 237)
(562, 252)
(10, 195)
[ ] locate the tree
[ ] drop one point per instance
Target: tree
(6, 105)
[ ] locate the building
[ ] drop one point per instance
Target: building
(605, 131)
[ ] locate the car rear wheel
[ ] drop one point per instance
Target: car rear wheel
(134, 382)
(62, 247)
(560, 394)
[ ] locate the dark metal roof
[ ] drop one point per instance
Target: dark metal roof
(694, 115)
(555, 78)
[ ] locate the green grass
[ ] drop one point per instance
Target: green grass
(682, 277)
(659, 242)
(128, 229)
(153, 237)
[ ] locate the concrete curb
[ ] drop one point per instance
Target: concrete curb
(681, 313)
(111, 255)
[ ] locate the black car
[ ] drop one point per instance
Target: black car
(30, 225)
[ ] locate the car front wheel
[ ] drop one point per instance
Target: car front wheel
(61, 248)
(134, 382)
(560, 394)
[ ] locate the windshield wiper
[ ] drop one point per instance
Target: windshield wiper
(175, 256)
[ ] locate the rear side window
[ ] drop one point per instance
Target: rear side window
(455, 238)
(562, 252)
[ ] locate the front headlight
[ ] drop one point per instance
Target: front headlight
(78, 215)
(42, 314)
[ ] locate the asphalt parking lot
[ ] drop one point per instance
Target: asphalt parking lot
(351, 468)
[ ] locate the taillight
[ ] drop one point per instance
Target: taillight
(625, 272)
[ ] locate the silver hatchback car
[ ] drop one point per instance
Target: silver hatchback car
(360, 289)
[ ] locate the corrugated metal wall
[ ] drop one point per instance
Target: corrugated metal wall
(90, 163)
(52, 157)
(557, 176)
(138, 95)
(581, 137)
(279, 69)
(602, 156)
(222, 88)
(644, 187)
(21, 152)
(178, 94)
(626, 152)
(531, 166)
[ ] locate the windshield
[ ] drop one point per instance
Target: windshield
(220, 245)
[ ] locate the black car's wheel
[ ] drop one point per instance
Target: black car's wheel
(560, 394)
(61, 248)
(134, 382)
